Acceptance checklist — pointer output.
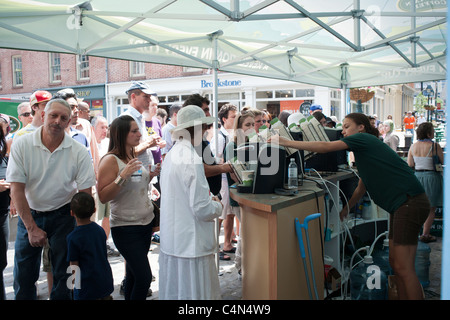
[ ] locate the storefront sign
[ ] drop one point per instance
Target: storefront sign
(221, 83)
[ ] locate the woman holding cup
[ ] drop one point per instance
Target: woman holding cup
(121, 178)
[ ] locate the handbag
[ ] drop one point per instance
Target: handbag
(436, 162)
(155, 221)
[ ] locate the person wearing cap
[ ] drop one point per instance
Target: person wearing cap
(45, 169)
(24, 113)
(315, 108)
(410, 123)
(139, 94)
(187, 268)
(213, 170)
(38, 101)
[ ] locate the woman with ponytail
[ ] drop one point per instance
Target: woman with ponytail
(391, 184)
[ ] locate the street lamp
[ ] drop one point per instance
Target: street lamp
(429, 93)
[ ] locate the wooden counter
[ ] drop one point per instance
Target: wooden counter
(272, 267)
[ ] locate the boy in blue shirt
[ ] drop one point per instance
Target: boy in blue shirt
(87, 252)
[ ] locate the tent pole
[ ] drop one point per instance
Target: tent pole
(215, 65)
(445, 278)
(343, 111)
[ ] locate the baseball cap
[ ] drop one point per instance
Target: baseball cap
(315, 107)
(40, 96)
(141, 86)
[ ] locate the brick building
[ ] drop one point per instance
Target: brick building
(23, 72)
(102, 83)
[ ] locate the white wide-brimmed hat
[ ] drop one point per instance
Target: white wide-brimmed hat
(295, 118)
(190, 116)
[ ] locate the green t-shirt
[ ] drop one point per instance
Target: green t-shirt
(387, 177)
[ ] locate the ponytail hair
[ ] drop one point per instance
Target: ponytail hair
(362, 119)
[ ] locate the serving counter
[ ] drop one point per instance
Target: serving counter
(272, 266)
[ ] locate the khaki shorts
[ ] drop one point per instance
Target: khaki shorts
(46, 261)
(406, 222)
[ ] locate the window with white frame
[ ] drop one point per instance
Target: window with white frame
(17, 71)
(137, 68)
(55, 67)
(82, 67)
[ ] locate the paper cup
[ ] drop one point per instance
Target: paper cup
(247, 177)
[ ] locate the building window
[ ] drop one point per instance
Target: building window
(55, 67)
(83, 67)
(17, 71)
(264, 94)
(284, 93)
(137, 68)
(299, 93)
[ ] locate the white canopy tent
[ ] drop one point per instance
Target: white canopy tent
(338, 44)
(354, 43)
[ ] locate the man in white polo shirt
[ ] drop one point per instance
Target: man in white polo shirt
(45, 169)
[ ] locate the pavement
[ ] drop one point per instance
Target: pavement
(230, 281)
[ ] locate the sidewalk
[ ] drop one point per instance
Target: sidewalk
(230, 283)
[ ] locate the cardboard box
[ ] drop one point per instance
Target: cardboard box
(333, 280)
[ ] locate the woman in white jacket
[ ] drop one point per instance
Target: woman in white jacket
(187, 268)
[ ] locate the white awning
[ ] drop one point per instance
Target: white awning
(329, 43)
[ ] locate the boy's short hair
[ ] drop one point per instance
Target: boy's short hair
(82, 205)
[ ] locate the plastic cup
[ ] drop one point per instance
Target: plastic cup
(248, 177)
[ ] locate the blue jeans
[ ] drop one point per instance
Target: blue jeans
(27, 260)
(411, 131)
(133, 243)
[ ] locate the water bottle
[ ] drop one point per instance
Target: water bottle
(292, 175)
(422, 263)
(366, 211)
(381, 258)
(136, 176)
(368, 281)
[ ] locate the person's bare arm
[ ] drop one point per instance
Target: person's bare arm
(108, 172)
(357, 194)
(314, 146)
(148, 143)
(214, 170)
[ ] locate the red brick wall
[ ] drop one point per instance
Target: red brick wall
(35, 70)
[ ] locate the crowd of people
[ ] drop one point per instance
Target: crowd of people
(76, 180)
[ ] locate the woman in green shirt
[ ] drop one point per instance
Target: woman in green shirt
(391, 184)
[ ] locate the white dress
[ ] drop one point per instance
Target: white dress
(187, 269)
